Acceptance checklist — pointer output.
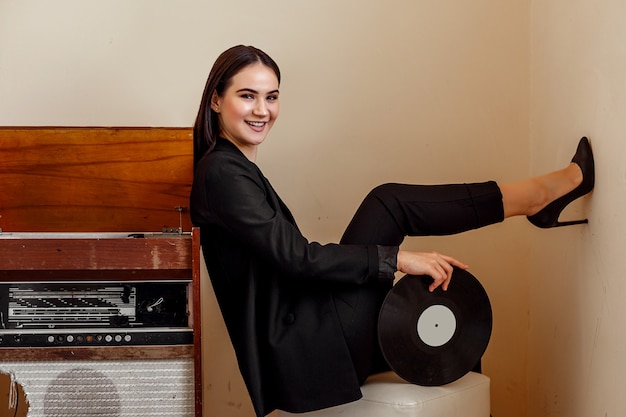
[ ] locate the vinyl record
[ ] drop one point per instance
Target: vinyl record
(434, 338)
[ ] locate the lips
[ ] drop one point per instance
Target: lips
(257, 125)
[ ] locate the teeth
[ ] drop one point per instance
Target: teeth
(257, 124)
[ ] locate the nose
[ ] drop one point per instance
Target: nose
(261, 109)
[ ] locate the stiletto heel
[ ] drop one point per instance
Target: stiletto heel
(549, 216)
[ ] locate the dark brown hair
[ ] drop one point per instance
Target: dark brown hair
(206, 128)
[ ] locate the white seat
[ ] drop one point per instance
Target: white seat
(388, 395)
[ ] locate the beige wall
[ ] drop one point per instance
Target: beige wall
(577, 366)
(402, 90)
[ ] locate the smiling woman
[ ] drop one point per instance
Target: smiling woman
(302, 316)
(248, 108)
(240, 101)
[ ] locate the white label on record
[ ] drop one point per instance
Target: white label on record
(436, 325)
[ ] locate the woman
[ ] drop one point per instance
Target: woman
(301, 315)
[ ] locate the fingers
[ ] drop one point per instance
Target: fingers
(442, 270)
(436, 265)
(455, 262)
(441, 273)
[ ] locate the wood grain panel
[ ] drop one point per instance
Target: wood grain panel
(94, 179)
(96, 254)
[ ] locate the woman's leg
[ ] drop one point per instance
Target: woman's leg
(393, 211)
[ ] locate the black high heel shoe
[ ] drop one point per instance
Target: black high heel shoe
(549, 216)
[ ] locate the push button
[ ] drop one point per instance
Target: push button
(290, 318)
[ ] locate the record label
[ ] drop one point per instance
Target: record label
(434, 338)
(436, 325)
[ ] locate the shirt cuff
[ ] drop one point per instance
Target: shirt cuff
(387, 262)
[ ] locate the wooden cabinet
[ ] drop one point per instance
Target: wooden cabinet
(70, 198)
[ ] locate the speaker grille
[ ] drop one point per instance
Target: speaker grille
(128, 388)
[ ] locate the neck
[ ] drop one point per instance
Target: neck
(250, 153)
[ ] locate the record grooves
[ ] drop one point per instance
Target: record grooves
(435, 338)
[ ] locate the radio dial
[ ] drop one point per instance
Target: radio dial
(157, 312)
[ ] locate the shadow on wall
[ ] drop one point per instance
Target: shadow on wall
(12, 397)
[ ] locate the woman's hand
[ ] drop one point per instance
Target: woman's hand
(434, 264)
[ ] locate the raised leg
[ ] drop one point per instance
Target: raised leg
(393, 211)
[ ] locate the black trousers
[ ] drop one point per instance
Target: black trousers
(387, 215)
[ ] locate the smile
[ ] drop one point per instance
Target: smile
(256, 124)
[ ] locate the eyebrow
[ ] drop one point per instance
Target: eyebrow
(254, 91)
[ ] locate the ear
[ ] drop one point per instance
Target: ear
(215, 102)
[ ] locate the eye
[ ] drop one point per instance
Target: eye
(247, 96)
(272, 97)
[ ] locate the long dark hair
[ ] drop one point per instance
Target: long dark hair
(206, 128)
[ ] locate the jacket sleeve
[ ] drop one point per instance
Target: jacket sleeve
(237, 198)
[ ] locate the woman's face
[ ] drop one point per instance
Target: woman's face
(248, 107)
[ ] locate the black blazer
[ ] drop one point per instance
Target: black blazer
(274, 287)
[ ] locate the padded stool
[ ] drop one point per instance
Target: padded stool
(388, 395)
